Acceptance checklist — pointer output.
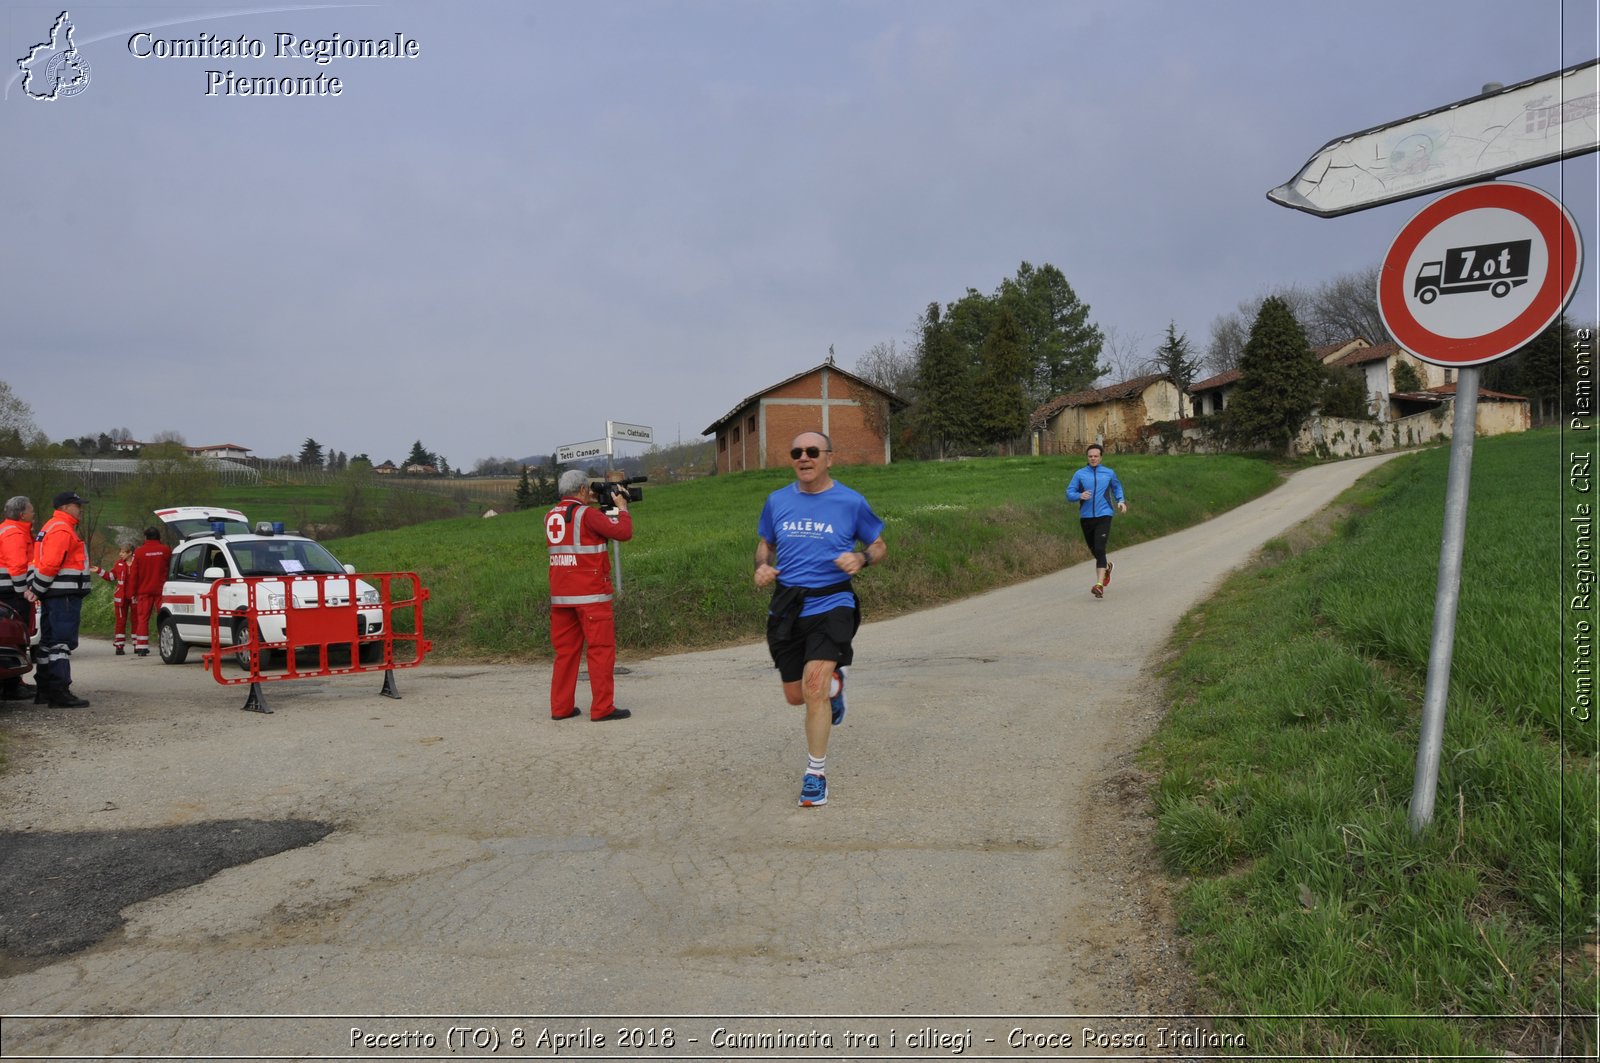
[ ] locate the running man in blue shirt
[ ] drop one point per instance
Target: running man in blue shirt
(808, 534)
(1089, 488)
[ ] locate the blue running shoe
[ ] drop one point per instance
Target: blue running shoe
(837, 699)
(813, 790)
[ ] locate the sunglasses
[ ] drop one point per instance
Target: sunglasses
(810, 452)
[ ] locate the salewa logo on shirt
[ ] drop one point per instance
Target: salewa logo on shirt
(801, 527)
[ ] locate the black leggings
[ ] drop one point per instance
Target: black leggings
(1096, 533)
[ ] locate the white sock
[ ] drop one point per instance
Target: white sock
(816, 765)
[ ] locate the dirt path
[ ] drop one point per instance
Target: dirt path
(984, 852)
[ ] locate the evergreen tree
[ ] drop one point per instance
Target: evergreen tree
(1173, 359)
(524, 493)
(1542, 370)
(1062, 345)
(311, 453)
(943, 386)
(419, 455)
(1000, 402)
(1280, 380)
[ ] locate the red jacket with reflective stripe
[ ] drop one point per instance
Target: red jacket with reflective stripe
(16, 555)
(148, 572)
(61, 567)
(577, 536)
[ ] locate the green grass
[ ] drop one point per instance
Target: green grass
(1287, 763)
(953, 529)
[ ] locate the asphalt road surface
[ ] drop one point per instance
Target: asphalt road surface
(984, 864)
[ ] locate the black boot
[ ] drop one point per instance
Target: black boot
(66, 699)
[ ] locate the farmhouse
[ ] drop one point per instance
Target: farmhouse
(1112, 416)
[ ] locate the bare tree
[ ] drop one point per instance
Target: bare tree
(1346, 307)
(889, 367)
(1124, 357)
(17, 428)
(1230, 331)
(172, 435)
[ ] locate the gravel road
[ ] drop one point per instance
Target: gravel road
(985, 853)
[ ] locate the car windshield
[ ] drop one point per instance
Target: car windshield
(277, 557)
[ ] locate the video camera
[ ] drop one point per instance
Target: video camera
(604, 490)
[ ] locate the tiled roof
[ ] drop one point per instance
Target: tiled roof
(1210, 382)
(1378, 353)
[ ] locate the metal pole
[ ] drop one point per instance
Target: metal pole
(616, 547)
(1446, 597)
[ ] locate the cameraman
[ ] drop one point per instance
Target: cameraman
(578, 530)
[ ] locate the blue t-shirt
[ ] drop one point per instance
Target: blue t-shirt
(809, 531)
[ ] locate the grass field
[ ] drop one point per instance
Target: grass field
(1287, 763)
(954, 529)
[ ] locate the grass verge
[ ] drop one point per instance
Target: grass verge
(1286, 766)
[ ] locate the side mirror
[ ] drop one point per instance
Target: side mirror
(350, 570)
(213, 573)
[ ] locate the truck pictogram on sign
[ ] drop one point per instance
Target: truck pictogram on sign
(1493, 268)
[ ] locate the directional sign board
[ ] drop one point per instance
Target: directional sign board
(1478, 273)
(634, 433)
(595, 448)
(1499, 132)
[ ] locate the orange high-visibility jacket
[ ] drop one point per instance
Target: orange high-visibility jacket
(61, 566)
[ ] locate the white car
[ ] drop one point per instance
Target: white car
(219, 543)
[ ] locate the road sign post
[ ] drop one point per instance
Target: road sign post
(594, 448)
(1470, 278)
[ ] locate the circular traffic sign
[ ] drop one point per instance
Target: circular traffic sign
(1479, 272)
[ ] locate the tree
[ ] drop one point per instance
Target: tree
(1280, 380)
(1230, 332)
(524, 493)
(17, 429)
(310, 453)
(1406, 377)
(1001, 404)
(1543, 370)
(170, 436)
(1172, 358)
(1346, 307)
(1062, 346)
(943, 415)
(890, 368)
(419, 455)
(1344, 392)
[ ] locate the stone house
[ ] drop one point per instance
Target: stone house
(853, 412)
(1113, 416)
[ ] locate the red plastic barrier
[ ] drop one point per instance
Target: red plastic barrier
(270, 628)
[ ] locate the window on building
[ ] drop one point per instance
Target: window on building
(722, 443)
(736, 434)
(750, 423)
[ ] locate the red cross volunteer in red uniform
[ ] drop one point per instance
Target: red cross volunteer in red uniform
(578, 534)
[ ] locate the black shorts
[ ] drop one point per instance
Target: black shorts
(823, 637)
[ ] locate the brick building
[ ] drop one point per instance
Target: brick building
(757, 432)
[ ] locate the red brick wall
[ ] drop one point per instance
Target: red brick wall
(856, 440)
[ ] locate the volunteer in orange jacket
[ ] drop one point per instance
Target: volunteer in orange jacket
(59, 584)
(147, 575)
(117, 576)
(16, 558)
(578, 534)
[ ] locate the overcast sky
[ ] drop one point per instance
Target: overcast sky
(560, 213)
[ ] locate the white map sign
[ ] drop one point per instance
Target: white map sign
(1535, 122)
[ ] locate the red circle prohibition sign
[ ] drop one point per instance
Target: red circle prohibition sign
(1562, 245)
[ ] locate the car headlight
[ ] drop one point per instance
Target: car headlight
(369, 596)
(274, 601)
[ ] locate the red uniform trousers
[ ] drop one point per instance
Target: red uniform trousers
(571, 626)
(143, 606)
(119, 608)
